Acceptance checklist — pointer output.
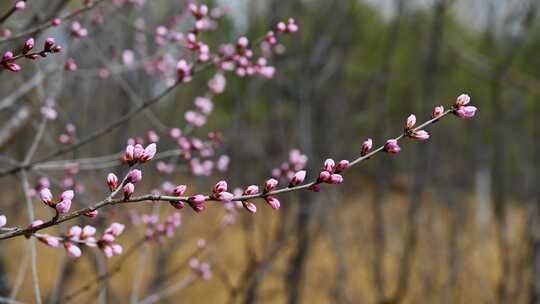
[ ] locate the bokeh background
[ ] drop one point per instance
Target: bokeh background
(453, 220)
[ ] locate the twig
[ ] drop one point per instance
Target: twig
(16, 231)
(49, 24)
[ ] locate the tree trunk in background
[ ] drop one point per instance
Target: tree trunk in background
(382, 176)
(422, 154)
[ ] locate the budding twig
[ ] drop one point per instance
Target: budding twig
(14, 232)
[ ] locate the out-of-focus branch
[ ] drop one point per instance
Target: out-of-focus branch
(14, 125)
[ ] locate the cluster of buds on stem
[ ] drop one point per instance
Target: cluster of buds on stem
(461, 108)
(138, 154)
(77, 236)
(8, 59)
(62, 205)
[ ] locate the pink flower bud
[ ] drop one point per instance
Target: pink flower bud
(437, 111)
(70, 65)
(48, 45)
(7, 56)
(148, 153)
(298, 178)
(178, 205)
(324, 176)
(251, 190)
(179, 190)
(391, 146)
(3, 220)
(183, 70)
(273, 202)
(129, 188)
(67, 195)
(366, 146)
(73, 251)
(250, 207)
(63, 206)
(292, 27)
(46, 196)
(12, 67)
(420, 134)
(270, 185)
(197, 202)
(462, 100)
(411, 121)
(138, 152)
(74, 232)
(243, 42)
(112, 181)
(466, 112)
(129, 154)
(28, 45)
(56, 21)
(134, 176)
(329, 165)
(91, 214)
(115, 229)
(281, 27)
(88, 231)
(117, 249)
(336, 179)
(342, 165)
(20, 5)
(225, 196)
(49, 240)
(220, 187)
(108, 238)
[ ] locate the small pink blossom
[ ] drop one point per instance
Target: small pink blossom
(73, 250)
(391, 146)
(20, 5)
(420, 134)
(48, 240)
(3, 220)
(197, 202)
(128, 189)
(411, 121)
(462, 100)
(115, 229)
(183, 71)
(46, 196)
(250, 207)
(63, 206)
(329, 165)
(342, 166)
(56, 22)
(28, 45)
(335, 179)
(134, 176)
(298, 178)
(148, 153)
(437, 111)
(112, 181)
(366, 146)
(273, 202)
(251, 190)
(217, 83)
(324, 176)
(466, 112)
(220, 187)
(225, 196)
(270, 185)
